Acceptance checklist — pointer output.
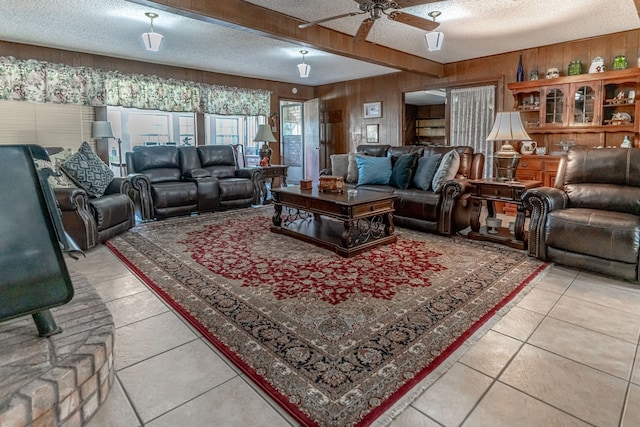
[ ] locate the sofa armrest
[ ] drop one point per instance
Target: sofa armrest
(256, 177)
(540, 201)
(477, 166)
(118, 185)
(77, 220)
(249, 173)
(71, 199)
(455, 192)
(140, 193)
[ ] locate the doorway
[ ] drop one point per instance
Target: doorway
(300, 139)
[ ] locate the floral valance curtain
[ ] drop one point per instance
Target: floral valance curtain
(38, 81)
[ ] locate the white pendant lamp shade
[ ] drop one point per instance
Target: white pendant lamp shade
(304, 69)
(434, 40)
(152, 40)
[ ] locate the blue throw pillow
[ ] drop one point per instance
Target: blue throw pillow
(402, 170)
(373, 170)
(427, 166)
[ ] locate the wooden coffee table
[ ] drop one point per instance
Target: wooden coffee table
(336, 221)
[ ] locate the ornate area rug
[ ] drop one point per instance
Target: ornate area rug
(335, 341)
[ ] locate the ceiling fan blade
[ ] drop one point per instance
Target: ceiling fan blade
(320, 21)
(414, 21)
(409, 3)
(364, 29)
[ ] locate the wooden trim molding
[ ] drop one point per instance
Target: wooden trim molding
(268, 23)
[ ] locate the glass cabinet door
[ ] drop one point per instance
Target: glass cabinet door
(585, 105)
(554, 107)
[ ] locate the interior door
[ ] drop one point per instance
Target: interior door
(311, 141)
(300, 124)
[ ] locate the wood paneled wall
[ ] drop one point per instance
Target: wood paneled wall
(349, 96)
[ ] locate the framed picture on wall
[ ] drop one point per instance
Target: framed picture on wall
(372, 134)
(372, 110)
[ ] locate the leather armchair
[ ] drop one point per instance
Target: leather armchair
(591, 218)
(92, 220)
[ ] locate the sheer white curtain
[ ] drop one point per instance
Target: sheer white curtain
(472, 115)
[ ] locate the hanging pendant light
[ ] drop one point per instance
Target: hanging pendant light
(304, 69)
(434, 38)
(152, 40)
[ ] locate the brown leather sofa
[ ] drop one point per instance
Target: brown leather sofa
(590, 219)
(445, 212)
(186, 180)
(92, 220)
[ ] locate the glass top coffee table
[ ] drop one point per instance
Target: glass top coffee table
(346, 224)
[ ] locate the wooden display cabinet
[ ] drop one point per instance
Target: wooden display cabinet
(590, 109)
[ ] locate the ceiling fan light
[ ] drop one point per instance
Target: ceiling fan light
(434, 40)
(152, 41)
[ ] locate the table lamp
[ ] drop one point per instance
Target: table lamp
(507, 127)
(266, 136)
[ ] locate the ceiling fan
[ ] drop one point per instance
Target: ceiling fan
(377, 8)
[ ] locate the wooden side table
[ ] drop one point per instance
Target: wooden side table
(270, 173)
(491, 190)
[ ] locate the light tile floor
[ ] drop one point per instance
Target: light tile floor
(565, 355)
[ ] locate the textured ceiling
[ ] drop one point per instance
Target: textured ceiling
(472, 28)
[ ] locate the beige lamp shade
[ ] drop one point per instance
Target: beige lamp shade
(507, 127)
(101, 129)
(264, 134)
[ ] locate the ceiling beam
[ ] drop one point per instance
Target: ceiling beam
(265, 22)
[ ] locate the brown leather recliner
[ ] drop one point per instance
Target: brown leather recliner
(92, 220)
(591, 218)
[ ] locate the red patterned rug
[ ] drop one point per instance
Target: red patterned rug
(335, 341)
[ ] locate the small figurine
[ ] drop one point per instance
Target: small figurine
(264, 161)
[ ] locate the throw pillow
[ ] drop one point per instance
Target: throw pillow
(58, 179)
(352, 170)
(373, 170)
(88, 171)
(339, 165)
(402, 170)
(425, 171)
(447, 170)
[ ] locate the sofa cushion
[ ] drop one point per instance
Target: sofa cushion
(598, 233)
(340, 165)
(402, 170)
(352, 169)
(446, 171)
(87, 170)
(427, 166)
(373, 170)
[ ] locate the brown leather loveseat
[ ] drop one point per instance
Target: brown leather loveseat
(591, 218)
(185, 180)
(446, 211)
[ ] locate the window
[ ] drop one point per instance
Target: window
(150, 127)
(233, 130)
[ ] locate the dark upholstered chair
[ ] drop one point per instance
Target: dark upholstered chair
(91, 220)
(591, 218)
(186, 180)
